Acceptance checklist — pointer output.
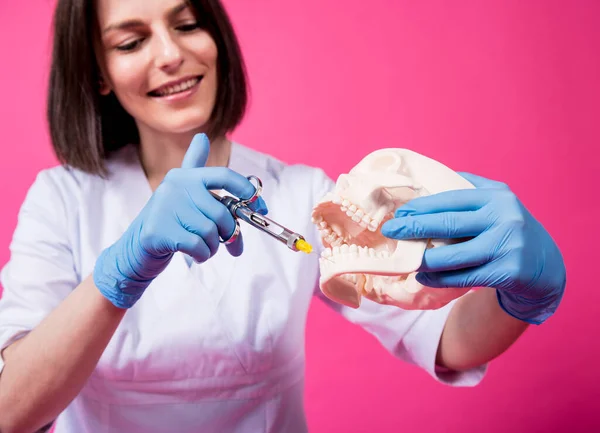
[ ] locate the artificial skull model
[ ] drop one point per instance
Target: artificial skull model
(358, 260)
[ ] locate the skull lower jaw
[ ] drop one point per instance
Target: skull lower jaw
(402, 291)
(348, 276)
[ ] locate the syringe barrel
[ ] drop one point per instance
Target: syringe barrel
(261, 222)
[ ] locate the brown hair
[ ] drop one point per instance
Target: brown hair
(86, 127)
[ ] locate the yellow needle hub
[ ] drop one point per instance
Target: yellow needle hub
(303, 246)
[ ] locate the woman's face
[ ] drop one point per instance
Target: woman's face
(159, 63)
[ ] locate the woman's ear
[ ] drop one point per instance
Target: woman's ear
(103, 87)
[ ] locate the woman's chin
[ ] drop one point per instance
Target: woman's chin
(177, 125)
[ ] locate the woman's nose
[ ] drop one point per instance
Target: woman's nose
(168, 53)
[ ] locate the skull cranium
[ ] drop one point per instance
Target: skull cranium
(358, 260)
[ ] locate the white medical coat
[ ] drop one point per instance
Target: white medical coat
(215, 347)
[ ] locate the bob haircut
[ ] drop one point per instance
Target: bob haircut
(86, 127)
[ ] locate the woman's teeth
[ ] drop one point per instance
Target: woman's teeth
(177, 88)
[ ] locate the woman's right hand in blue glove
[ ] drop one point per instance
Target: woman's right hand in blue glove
(181, 215)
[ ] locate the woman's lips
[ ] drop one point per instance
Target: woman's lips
(176, 87)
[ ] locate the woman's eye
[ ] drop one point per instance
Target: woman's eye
(188, 27)
(129, 46)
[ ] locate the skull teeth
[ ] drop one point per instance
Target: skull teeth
(353, 278)
(354, 251)
(352, 211)
(377, 285)
(329, 236)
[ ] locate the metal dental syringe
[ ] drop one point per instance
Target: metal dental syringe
(239, 209)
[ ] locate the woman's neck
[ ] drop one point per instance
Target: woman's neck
(160, 153)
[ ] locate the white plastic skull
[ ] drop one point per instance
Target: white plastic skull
(358, 260)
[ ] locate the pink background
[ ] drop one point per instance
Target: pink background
(504, 89)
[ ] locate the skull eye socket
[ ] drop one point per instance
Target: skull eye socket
(384, 162)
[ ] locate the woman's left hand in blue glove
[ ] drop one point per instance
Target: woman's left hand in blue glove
(508, 249)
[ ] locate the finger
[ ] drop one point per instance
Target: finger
(487, 275)
(447, 201)
(217, 178)
(236, 247)
(260, 206)
(206, 205)
(482, 182)
(445, 225)
(195, 221)
(197, 153)
(468, 254)
(192, 245)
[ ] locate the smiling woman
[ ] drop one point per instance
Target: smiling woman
(140, 70)
(117, 330)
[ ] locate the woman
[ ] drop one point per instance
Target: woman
(107, 327)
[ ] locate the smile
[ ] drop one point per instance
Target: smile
(176, 87)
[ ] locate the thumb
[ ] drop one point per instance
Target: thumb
(197, 153)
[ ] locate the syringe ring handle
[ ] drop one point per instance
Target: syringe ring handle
(234, 235)
(257, 191)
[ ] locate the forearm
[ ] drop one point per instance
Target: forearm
(45, 370)
(477, 331)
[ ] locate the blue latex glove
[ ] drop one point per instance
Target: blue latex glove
(509, 250)
(181, 215)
